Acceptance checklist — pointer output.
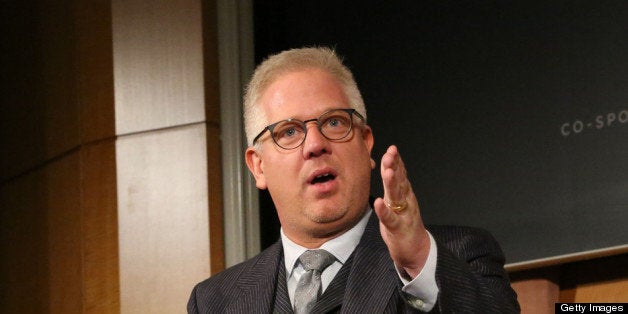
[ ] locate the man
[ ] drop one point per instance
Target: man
(310, 146)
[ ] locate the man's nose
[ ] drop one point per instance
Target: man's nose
(316, 143)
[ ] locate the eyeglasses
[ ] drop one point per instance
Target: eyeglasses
(334, 124)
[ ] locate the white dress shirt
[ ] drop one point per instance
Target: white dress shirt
(423, 288)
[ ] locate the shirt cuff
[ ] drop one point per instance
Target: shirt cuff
(422, 291)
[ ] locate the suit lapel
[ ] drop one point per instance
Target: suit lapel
(257, 284)
(373, 278)
(334, 294)
(282, 302)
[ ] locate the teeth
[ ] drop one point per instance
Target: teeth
(322, 178)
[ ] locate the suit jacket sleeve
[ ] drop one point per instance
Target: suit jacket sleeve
(470, 273)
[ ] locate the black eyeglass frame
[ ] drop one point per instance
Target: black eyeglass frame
(271, 127)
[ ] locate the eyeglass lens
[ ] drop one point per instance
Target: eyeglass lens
(334, 125)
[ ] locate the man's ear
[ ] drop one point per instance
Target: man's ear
(254, 162)
(369, 141)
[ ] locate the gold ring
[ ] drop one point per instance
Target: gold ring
(396, 208)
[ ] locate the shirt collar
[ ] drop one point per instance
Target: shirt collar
(341, 247)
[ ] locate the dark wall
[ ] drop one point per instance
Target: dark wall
(512, 116)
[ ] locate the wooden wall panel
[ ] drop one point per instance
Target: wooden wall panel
(613, 291)
(58, 207)
(603, 279)
(101, 275)
(210, 62)
(161, 152)
(537, 290)
(58, 188)
(40, 183)
(60, 126)
(94, 74)
(163, 218)
(95, 96)
(536, 296)
(24, 245)
(63, 208)
(40, 117)
(214, 144)
(59, 229)
(41, 234)
(597, 280)
(158, 64)
(214, 182)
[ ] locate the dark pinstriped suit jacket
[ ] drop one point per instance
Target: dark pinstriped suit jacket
(469, 274)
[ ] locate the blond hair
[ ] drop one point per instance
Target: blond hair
(294, 60)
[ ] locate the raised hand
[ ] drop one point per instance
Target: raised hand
(400, 224)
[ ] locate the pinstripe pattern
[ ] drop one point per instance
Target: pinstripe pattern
(248, 287)
(373, 282)
(282, 298)
(469, 274)
(331, 300)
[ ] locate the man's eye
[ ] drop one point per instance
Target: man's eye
(289, 132)
(337, 122)
(333, 122)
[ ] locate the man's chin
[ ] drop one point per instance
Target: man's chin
(327, 216)
(332, 223)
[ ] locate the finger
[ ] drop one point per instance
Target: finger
(394, 177)
(386, 216)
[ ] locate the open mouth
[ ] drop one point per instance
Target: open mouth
(326, 177)
(322, 176)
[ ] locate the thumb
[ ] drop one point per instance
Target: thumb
(386, 216)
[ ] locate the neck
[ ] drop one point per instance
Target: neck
(316, 237)
(312, 240)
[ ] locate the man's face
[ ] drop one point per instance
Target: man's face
(321, 188)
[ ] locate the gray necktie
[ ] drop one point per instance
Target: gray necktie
(309, 286)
